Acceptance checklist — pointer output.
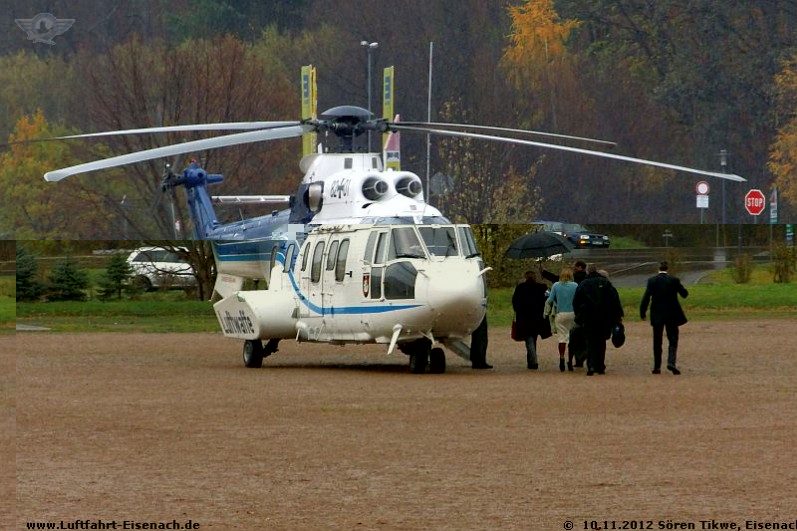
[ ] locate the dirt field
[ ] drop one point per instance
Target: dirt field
(8, 468)
(172, 427)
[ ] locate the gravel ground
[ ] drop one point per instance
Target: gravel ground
(158, 428)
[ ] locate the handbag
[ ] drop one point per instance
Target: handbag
(618, 335)
(514, 332)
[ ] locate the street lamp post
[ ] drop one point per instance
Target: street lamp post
(724, 166)
(369, 47)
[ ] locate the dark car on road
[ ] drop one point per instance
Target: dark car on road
(579, 235)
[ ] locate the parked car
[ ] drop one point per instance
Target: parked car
(578, 235)
(156, 267)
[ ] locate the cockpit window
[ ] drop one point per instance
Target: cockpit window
(441, 241)
(469, 247)
(404, 243)
(400, 280)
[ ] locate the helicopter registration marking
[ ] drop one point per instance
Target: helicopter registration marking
(340, 188)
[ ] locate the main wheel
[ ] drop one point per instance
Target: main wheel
(437, 361)
(418, 361)
(253, 353)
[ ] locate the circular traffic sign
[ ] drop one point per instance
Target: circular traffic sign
(702, 188)
(754, 202)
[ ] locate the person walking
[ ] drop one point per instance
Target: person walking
(562, 293)
(579, 271)
(597, 308)
(528, 301)
(666, 313)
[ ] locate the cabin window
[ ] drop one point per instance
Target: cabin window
(306, 256)
(400, 281)
(332, 257)
(318, 256)
(369, 248)
(376, 282)
(374, 163)
(468, 242)
(381, 244)
(404, 243)
(441, 241)
(289, 257)
(340, 267)
(348, 163)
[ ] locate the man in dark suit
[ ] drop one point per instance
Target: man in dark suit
(665, 314)
(598, 308)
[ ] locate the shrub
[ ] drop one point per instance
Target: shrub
(784, 263)
(742, 268)
(116, 278)
(28, 287)
(67, 282)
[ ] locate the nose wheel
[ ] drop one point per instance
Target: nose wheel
(423, 356)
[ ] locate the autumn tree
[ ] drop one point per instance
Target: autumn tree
(33, 208)
(783, 152)
(201, 81)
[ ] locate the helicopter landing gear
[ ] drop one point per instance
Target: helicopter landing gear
(254, 352)
(418, 361)
(422, 355)
(437, 361)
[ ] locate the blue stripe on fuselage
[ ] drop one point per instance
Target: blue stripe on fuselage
(261, 249)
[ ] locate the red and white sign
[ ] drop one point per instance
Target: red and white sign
(702, 188)
(754, 202)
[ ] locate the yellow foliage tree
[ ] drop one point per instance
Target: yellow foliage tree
(783, 152)
(32, 208)
(536, 59)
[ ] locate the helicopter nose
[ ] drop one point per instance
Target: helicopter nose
(457, 302)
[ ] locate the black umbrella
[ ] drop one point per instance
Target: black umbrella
(539, 245)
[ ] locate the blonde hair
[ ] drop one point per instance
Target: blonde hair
(566, 274)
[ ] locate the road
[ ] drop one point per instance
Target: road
(630, 268)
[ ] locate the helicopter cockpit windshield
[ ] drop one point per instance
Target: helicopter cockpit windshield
(440, 241)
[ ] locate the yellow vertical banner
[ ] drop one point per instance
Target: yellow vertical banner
(387, 99)
(309, 106)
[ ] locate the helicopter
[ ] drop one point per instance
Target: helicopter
(382, 293)
(404, 286)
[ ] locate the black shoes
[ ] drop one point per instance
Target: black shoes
(482, 366)
(534, 366)
(590, 372)
(570, 366)
(673, 370)
(562, 365)
(656, 371)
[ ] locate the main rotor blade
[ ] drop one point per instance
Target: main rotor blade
(227, 126)
(507, 130)
(185, 147)
(728, 176)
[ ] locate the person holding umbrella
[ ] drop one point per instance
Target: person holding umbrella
(529, 297)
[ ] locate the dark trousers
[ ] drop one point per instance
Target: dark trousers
(478, 344)
(672, 339)
(596, 349)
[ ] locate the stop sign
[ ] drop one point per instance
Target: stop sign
(754, 202)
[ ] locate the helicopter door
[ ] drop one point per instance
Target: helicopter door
(375, 252)
(303, 275)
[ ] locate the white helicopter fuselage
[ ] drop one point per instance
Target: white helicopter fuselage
(366, 284)
(342, 189)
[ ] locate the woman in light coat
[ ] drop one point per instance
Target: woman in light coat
(561, 298)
